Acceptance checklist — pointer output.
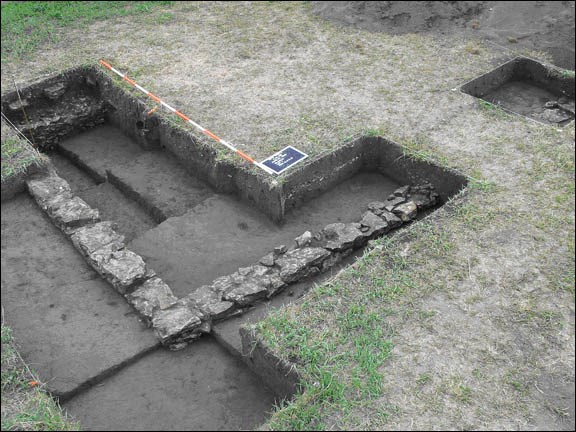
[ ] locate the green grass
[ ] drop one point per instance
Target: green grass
(17, 155)
(28, 25)
(342, 361)
(25, 405)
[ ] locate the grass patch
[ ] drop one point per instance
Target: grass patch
(341, 361)
(25, 405)
(17, 155)
(27, 25)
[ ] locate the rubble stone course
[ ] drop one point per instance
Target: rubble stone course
(179, 321)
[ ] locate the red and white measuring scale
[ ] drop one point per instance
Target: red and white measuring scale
(186, 119)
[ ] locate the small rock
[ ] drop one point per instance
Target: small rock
(406, 211)
(424, 201)
(279, 250)
(376, 207)
(551, 104)
(267, 260)
(55, 92)
(392, 220)
(17, 105)
(333, 259)
(303, 240)
(402, 191)
(393, 201)
(375, 225)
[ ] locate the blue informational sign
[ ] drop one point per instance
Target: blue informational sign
(284, 159)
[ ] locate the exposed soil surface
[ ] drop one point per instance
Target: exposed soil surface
(199, 388)
(206, 234)
(537, 25)
(533, 101)
(76, 331)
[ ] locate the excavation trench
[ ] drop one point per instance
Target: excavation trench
(198, 223)
(528, 88)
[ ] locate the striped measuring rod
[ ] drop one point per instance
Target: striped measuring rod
(186, 118)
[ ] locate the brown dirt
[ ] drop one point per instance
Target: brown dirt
(536, 25)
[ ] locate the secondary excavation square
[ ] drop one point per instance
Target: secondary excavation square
(529, 88)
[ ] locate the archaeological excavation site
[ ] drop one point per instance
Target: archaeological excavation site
(156, 248)
(383, 273)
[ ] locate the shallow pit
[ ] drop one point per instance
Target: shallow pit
(526, 87)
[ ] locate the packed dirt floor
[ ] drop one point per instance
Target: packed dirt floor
(484, 336)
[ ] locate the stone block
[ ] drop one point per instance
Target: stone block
(250, 284)
(176, 324)
(406, 211)
(301, 263)
(48, 187)
(209, 301)
(340, 236)
(99, 236)
(152, 295)
(123, 269)
(72, 213)
(375, 225)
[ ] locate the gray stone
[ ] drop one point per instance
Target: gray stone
(424, 201)
(340, 236)
(48, 187)
(219, 310)
(424, 196)
(17, 105)
(73, 213)
(101, 235)
(267, 260)
(303, 240)
(55, 92)
(222, 284)
(402, 191)
(375, 224)
(208, 300)
(250, 284)
(393, 220)
(301, 263)
(333, 259)
(123, 269)
(247, 292)
(152, 295)
(407, 211)
(176, 323)
(393, 201)
(376, 207)
(279, 250)
(556, 115)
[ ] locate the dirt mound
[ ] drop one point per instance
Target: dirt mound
(400, 17)
(533, 25)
